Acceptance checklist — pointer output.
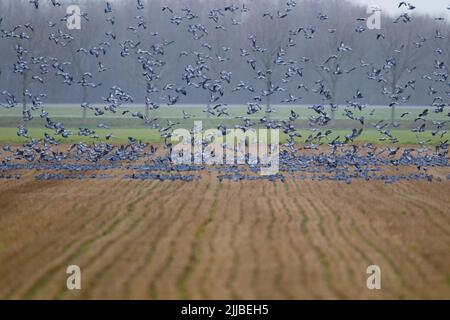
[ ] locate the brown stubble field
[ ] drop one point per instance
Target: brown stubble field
(219, 240)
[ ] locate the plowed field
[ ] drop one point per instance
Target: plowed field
(219, 240)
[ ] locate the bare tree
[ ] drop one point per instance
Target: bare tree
(83, 60)
(403, 49)
(30, 48)
(269, 34)
(332, 52)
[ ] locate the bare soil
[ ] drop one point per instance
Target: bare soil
(219, 240)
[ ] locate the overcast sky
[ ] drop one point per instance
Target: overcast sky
(432, 7)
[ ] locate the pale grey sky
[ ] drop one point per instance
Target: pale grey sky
(432, 7)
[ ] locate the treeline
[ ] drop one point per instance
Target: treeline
(298, 54)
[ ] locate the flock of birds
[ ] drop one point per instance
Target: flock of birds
(344, 161)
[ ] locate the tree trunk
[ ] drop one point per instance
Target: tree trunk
(147, 107)
(268, 97)
(268, 103)
(393, 86)
(393, 114)
(208, 105)
(208, 115)
(24, 88)
(85, 98)
(333, 114)
(333, 101)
